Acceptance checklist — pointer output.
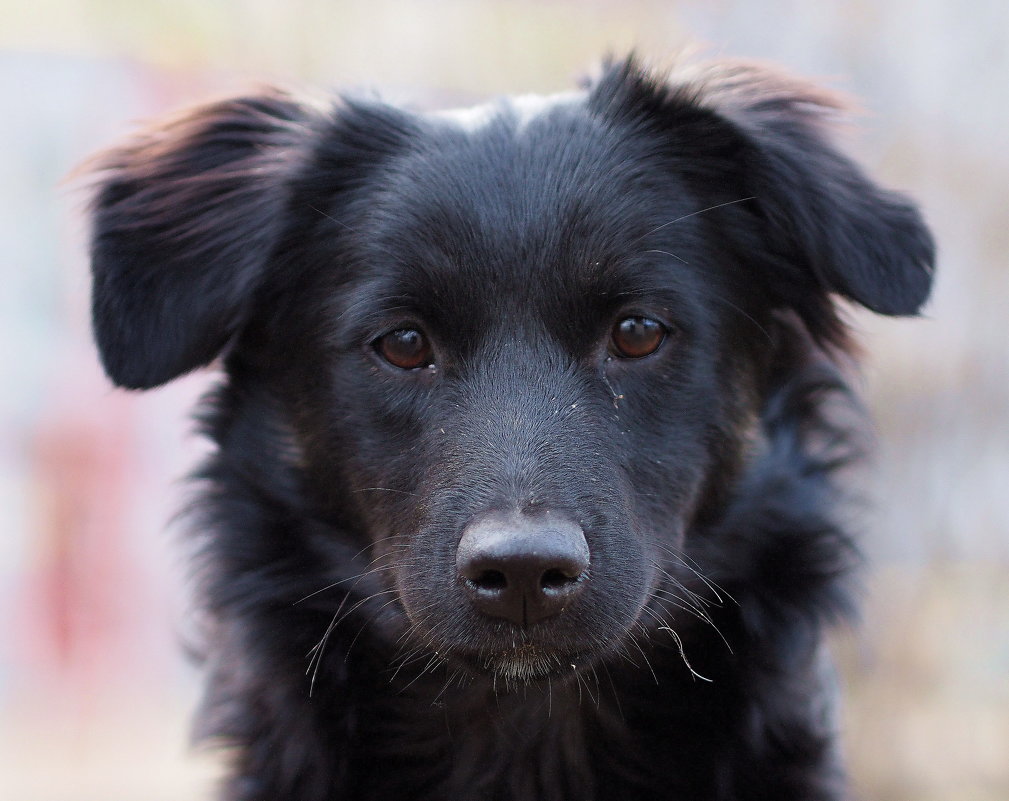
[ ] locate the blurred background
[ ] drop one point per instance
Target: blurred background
(95, 696)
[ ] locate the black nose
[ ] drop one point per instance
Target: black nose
(522, 568)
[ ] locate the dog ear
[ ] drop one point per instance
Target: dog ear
(820, 217)
(184, 220)
(859, 240)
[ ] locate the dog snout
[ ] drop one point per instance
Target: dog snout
(523, 569)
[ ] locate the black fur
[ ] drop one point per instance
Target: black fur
(345, 657)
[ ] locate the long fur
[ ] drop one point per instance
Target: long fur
(344, 658)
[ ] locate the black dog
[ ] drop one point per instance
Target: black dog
(528, 429)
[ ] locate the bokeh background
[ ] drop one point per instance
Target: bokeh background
(95, 696)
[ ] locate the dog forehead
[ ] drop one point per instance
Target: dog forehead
(528, 154)
(533, 188)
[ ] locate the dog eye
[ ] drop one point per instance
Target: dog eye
(405, 348)
(636, 337)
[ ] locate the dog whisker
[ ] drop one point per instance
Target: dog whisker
(691, 565)
(683, 655)
(355, 578)
(329, 217)
(386, 489)
(699, 211)
(668, 253)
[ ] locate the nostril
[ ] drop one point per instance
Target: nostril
(489, 581)
(557, 580)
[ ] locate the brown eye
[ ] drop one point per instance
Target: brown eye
(406, 348)
(636, 337)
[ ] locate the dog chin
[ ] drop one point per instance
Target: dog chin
(527, 664)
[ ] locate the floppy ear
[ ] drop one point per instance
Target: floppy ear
(764, 137)
(184, 220)
(859, 240)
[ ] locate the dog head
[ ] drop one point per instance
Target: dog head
(516, 354)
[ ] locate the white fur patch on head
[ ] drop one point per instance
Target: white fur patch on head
(472, 118)
(528, 107)
(524, 109)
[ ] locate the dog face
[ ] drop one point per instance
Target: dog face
(516, 357)
(514, 354)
